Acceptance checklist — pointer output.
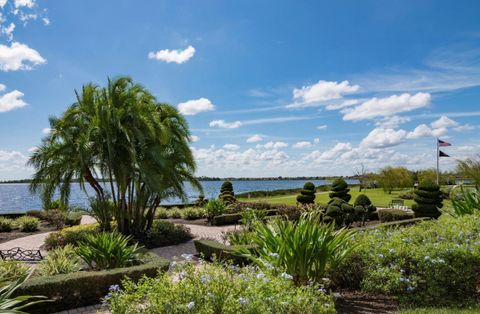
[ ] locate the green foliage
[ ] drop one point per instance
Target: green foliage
(12, 271)
(305, 249)
(467, 203)
(35, 213)
(434, 262)
(71, 235)
(340, 189)
(470, 169)
(211, 250)
(204, 290)
(393, 214)
(162, 213)
(240, 237)
(428, 199)
(251, 216)
(6, 224)
(108, 250)
(55, 217)
(339, 212)
(27, 224)
(55, 204)
(307, 194)
(14, 305)
(164, 233)
(200, 201)
(391, 178)
(191, 213)
(102, 210)
(226, 219)
(408, 195)
(59, 261)
(73, 218)
(175, 213)
(227, 195)
(69, 291)
(215, 208)
(364, 210)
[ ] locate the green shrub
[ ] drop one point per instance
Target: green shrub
(108, 250)
(6, 224)
(27, 224)
(340, 189)
(73, 218)
(175, 213)
(102, 210)
(210, 249)
(55, 204)
(252, 216)
(239, 207)
(56, 217)
(214, 208)
(467, 202)
(11, 271)
(192, 213)
(71, 235)
(36, 213)
(307, 194)
(226, 219)
(161, 213)
(392, 214)
(14, 305)
(59, 261)
(364, 210)
(239, 237)
(164, 233)
(219, 289)
(69, 291)
(227, 195)
(428, 199)
(339, 212)
(200, 201)
(305, 249)
(409, 195)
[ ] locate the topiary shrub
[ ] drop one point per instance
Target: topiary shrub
(392, 214)
(200, 201)
(164, 233)
(340, 190)
(339, 212)
(226, 193)
(307, 195)
(364, 210)
(428, 200)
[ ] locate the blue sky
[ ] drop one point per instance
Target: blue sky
(269, 88)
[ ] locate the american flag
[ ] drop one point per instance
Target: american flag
(443, 143)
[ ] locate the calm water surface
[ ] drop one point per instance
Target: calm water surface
(16, 198)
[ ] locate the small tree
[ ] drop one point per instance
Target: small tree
(226, 193)
(391, 178)
(364, 210)
(340, 190)
(428, 200)
(307, 194)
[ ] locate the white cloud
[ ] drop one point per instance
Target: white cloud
(303, 144)
(392, 122)
(46, 21)
(328, 155)
(177, 56)
(33, 149)
(11, 101)
(24, 3)
(316, 140)
(194, 138)
(2, 87)
(46, 130)
(343, 104)
(2, 4)
(322, 91)
(274, 145)
(255, 138)
(381, 138)
(465, 127)
(322, 127)
(11, 161)
(19, 57)
(384, 107)
(424, 130)
(7, 31)
(225, 125)
(443, 122)
(195, 106)
(231, 146)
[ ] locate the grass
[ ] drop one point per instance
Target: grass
(441, 311)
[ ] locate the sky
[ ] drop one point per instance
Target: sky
(269, 88)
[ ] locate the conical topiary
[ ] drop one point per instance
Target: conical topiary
(226, 193)
(307, 194)
(428, 200)
(340, 190)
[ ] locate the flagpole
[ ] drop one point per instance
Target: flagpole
(438, 162)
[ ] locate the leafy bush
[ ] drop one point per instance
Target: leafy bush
(291, 212)
(252, 216)
(108, 250)
(175, 213)
(68, 291)
(214, 208)
(27, 224)
(364, 210)
(191, 213)
(227, 195)
(72, 235)
(211, 250)
(340, 189)
(466, 203)
(205, 290)
(161, 213)
(409, 195)
(339, 212)
(14, 305)
(102, 210)
(6, 224)
(392, 214)
(305, 249)
(307, 194)
(428, 199)
(11, 271)
(226, 219)
(434, 262)
(55, 204)
(239, 237)
(35, 213)
(239, 207)
(164, 233)
(73, 218)
(59, 261)
(200, 201)
(56, 217)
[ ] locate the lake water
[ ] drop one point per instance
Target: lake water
(16, 198)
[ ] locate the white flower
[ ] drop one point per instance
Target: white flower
(190, 305)
(273, 254)
(187, 257)
(205, 278)
(427, 258)
(286, 276)
(260, 276)
(242, 301)
(391, 251)
(381, 255)
(182, 275)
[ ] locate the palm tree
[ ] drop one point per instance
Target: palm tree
(122, 134)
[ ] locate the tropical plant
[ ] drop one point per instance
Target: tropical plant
(305, 249)
(15, 305)
(108, 250)
(6, 224)
(470, 169)
(121, 133)
(467, 202)
(307, 194)
(214, 208)
(340, 189)
(12, 270)
(252, 216)
(428, 200)
(102, 210)
(60, 261)
(226, 193)
(27, 224)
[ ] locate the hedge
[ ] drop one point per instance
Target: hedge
(69, 291)
(208, 248)
(393, 214)
(230, 219)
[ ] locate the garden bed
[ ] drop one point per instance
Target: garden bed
(16, 234)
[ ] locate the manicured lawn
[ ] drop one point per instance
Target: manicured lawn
(378, 197)
(441, 311)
